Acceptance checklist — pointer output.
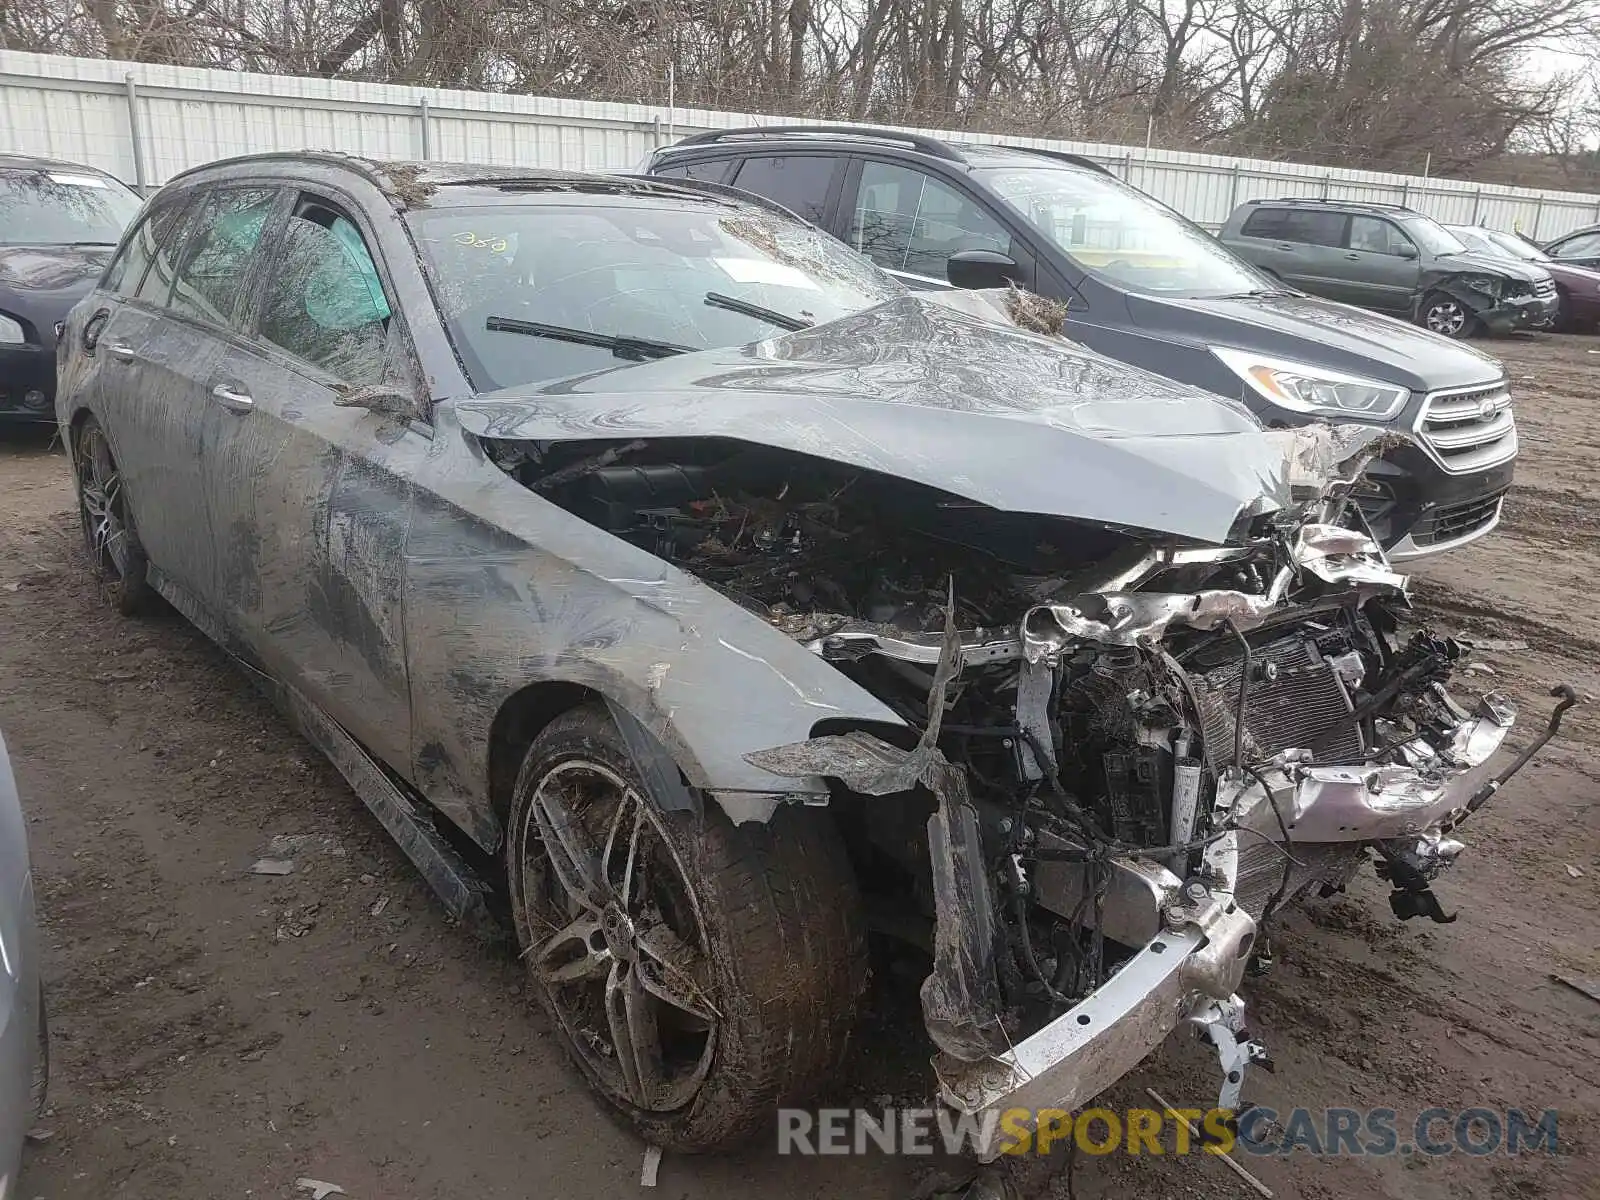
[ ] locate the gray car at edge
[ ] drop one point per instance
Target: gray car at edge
(24, 1042)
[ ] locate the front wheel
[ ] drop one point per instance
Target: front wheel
(1447, 315)
(115, 551)
(699, 973)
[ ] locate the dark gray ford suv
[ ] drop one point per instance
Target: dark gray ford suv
(1144, 285)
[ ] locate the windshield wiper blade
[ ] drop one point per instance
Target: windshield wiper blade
(761, 313)
(635, 349)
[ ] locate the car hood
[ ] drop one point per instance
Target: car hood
(1322, 333)
(917, 389)
(40, 283)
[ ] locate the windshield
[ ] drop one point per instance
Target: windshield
(543, 291)
(59, 208)
(1499, 245)
(1516, 247)
(1118, 233)
(1433, 237)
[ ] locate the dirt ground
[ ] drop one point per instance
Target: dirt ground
(222, 1034)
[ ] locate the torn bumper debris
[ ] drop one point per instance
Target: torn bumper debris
(1181, 975)
(1189, 937)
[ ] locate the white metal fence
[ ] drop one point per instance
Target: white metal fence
(145, 123)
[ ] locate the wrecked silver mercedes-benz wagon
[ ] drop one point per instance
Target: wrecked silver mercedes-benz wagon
(646, 542)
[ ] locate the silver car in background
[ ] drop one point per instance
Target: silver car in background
(24, 1055)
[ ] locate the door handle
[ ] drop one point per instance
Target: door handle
(1286, 246)
(122, 352)
(239, 402)
(1353, 257)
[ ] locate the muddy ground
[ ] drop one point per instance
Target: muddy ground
(222, 1034)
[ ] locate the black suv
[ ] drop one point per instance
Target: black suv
(1144, 285)
(1393, 259)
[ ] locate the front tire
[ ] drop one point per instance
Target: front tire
(699, 973)
(1447, 315)
(115, 552)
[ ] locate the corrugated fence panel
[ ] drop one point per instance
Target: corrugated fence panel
(87, 110)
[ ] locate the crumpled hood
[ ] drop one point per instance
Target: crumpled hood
(1333, 335)
(1506, 268)
(917, 389)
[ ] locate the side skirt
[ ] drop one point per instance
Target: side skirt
(466, 895)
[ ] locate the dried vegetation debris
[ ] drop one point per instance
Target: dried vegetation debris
(1034, 312)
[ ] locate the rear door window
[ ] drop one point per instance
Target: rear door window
(324, 302)
(1314, 228)
(217, 256)
(158, 228)
(1265, 223)
(167, 253)
(906, 220)
(799, 182)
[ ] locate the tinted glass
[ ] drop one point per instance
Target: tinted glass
(1266, 223)
(226, 232)
(1296, 225)
(799, 182)
(57, 208)
(641, 268)
(906, 220)
(323, 301)
(714, 171)
(127, 270)
(1119, 234)
(1374, 235)
(1313, 228)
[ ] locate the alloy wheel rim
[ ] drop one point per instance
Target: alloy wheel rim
(616, 938)
(100, 499)
(1446, 317)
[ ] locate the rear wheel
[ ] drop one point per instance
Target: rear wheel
(699, 973)
(115, 551)
(1447, 315)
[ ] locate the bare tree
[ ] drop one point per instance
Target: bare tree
(1377, 83)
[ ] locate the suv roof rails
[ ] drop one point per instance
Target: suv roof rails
(1328, 200)
(917, 141)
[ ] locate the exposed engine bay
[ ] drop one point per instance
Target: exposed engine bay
(1120, 757)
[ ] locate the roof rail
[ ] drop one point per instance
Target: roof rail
(1330, 200)
(1077, 160)
(927, 145)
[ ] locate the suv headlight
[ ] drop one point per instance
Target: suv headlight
(1487, 284)
(10, 332)
(1304, 388)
